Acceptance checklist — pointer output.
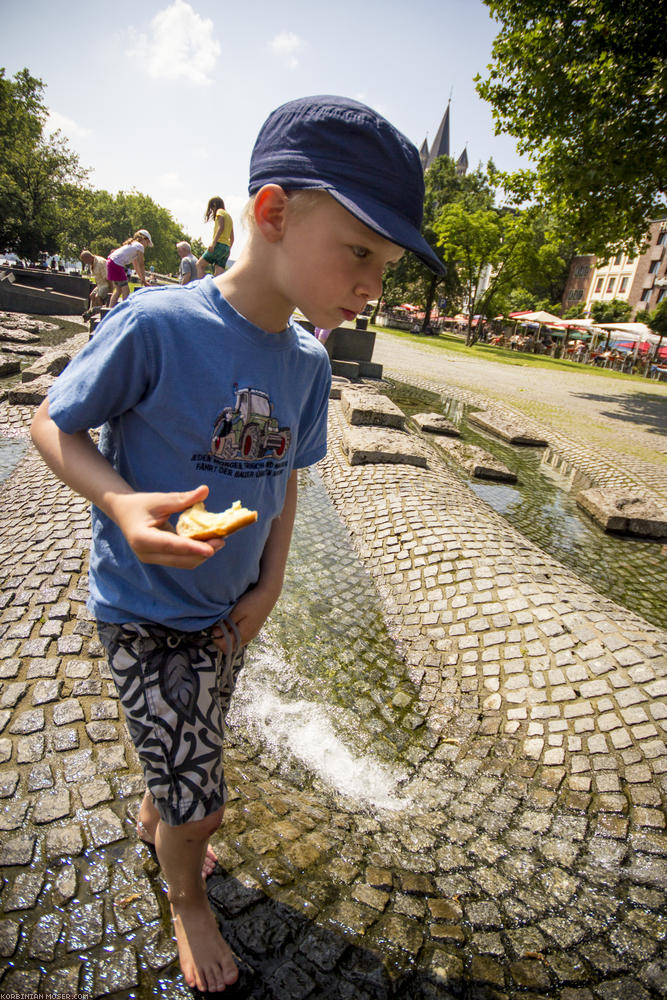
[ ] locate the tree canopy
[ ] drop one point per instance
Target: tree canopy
(45, 203)
(33, 168)
(582, 86)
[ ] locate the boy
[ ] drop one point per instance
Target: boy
(183, 380)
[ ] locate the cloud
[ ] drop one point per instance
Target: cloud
(285, 45)
(67, 126)
(179, 46)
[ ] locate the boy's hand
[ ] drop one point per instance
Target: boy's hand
(144, 520)
(248, 614)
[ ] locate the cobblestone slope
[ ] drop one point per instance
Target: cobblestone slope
(525, 711)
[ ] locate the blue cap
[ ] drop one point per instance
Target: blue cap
(349, 150)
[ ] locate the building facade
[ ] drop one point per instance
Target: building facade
(641, 281)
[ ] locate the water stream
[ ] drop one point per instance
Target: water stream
(542, 505)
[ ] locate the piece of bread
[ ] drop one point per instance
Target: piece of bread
(197, 522)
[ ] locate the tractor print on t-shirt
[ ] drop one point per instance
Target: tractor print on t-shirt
(248, 431)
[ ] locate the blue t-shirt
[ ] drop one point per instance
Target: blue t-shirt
(187, 391)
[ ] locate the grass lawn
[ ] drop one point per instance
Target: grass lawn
(447, 341)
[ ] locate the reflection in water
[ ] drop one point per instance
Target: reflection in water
(542, 506)
(11, 453)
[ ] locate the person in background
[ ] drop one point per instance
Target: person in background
(100, 292)
(187, 270)
(131, 252)
(223, 238)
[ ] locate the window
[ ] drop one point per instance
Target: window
(623, 285)
(598, 284)
(610, 285)
(661, 294)
(575, 294)
(619, 260)
(655, 267)
(662, 238)
(646, 295)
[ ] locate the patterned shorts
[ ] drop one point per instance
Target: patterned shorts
(175, 689)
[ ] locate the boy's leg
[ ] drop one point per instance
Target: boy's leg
(175, 689)
(147, 821)
(206, 959)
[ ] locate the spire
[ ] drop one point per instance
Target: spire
(423, 154)
(462, 163)
(440, 145)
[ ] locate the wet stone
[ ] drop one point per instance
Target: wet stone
(13, 814)
(21, 983)
(105, 827)
(8, 782)
(85, 925)
(118, 972)
(65, 842)
(530, 974)
(9, 936)
(17, 850)
(133, 907)
(46, 691)
(485, 970)
(101, 732)
(65, 739)
(23, 893)
(159, 950)
(66, 712)
(44, 937)
(352, 916)
(28, 722)
(41, 776)
(51, 806)
(94, 792)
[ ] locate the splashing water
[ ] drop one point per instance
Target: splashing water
(309, 731)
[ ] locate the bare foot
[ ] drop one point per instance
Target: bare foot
(206, 958)
(146, 826)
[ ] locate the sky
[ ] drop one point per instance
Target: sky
(166, 97)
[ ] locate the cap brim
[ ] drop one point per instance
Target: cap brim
(390, 225)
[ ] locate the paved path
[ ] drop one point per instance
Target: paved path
(623, 421)
(521, 851)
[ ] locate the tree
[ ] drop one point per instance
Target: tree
(488, 243)
(410, 280)
(582, 86)
(614, 311)
(99, 221)
(34, 167)
(658, 323)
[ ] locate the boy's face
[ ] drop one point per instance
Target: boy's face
(332, 264)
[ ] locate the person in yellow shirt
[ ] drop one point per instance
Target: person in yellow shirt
(223, 238)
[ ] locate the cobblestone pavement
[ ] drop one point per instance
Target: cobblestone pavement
(614, 429)
(521, 714)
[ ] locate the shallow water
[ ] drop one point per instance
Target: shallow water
(542, 505)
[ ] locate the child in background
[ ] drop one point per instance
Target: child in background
(175, 614)
(129, 253)
(223, 238)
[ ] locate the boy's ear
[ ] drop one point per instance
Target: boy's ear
(270, 211)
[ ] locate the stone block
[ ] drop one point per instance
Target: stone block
(30, 393)
(477, 461)
(363, 408)
(620, 511)
(434, 423)
(511, 431)
(382, 445)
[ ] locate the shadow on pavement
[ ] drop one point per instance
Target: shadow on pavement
(640, 408)
(283, 955)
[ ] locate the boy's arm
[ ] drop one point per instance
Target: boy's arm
(251, 611)
(142, 517)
